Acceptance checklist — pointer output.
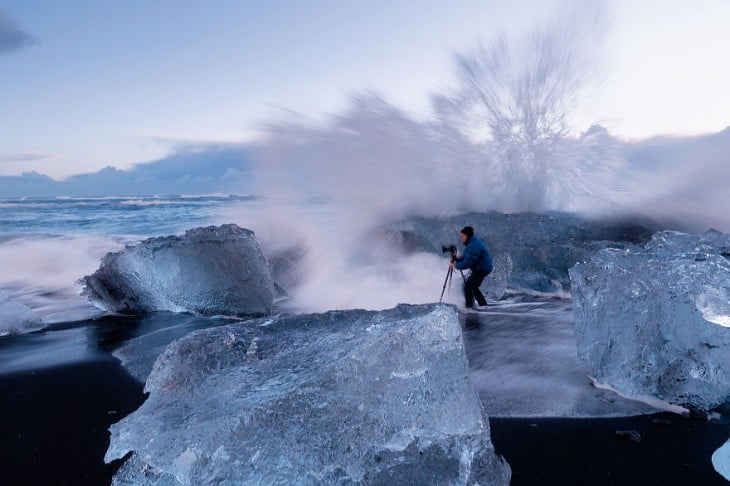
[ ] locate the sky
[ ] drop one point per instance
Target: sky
(87, 84)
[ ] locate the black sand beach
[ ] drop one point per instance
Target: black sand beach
(588, 451)
(55, 421)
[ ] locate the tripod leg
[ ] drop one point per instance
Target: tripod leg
(443, 289)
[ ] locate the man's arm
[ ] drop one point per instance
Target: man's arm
(467, 261)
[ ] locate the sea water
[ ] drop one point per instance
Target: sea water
(521, 351)
(47, 244)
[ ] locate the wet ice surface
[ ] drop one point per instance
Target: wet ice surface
(653, 320)
(218, 270)
(341, 397)
(138, 354)
(721, 460)
(523, 363)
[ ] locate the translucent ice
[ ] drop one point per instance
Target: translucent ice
(208, 271)
(16, 318)
(721, 460)
(495, 285)
(343, 397)
(652, 321)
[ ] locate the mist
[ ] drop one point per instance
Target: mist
(500, 139)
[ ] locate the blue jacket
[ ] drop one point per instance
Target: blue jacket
(476, 256)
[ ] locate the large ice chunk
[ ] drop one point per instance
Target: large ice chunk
(16, 318)
(208, 271)
(654, 321)
(495, 285)
(343, 397)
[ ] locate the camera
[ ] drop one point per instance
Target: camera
(449, 249)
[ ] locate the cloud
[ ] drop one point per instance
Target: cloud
(690, 177)
(27, 157)
(11, 36)
(206, 169)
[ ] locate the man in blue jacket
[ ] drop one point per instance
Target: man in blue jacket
(477, 258)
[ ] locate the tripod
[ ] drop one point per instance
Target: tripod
(449, 275)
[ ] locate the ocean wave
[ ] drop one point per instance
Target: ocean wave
(152, 202)
(41, 270)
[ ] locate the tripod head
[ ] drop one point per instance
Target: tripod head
(449, 249)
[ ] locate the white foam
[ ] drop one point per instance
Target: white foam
(41, 272)
(151, 202)
(15, 317)
(645, 399)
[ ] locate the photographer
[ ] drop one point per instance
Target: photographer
(477, 258)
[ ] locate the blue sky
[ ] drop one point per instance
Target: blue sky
(88, 84)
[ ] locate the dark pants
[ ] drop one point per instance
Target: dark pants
(471, 288)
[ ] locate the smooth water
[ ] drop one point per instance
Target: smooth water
(523, 363)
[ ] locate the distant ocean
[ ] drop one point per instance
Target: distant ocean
(113, 215)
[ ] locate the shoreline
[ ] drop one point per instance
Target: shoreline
(55, 431)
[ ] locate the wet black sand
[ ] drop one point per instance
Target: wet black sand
(54, 430)
(54, 422)
(587, 451)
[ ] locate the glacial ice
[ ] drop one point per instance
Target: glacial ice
(721, 460)
(138, 354)
(16, 318)
(342, 397)
(541, 247)
(208, 271)
(495, 285)
(652, 321)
